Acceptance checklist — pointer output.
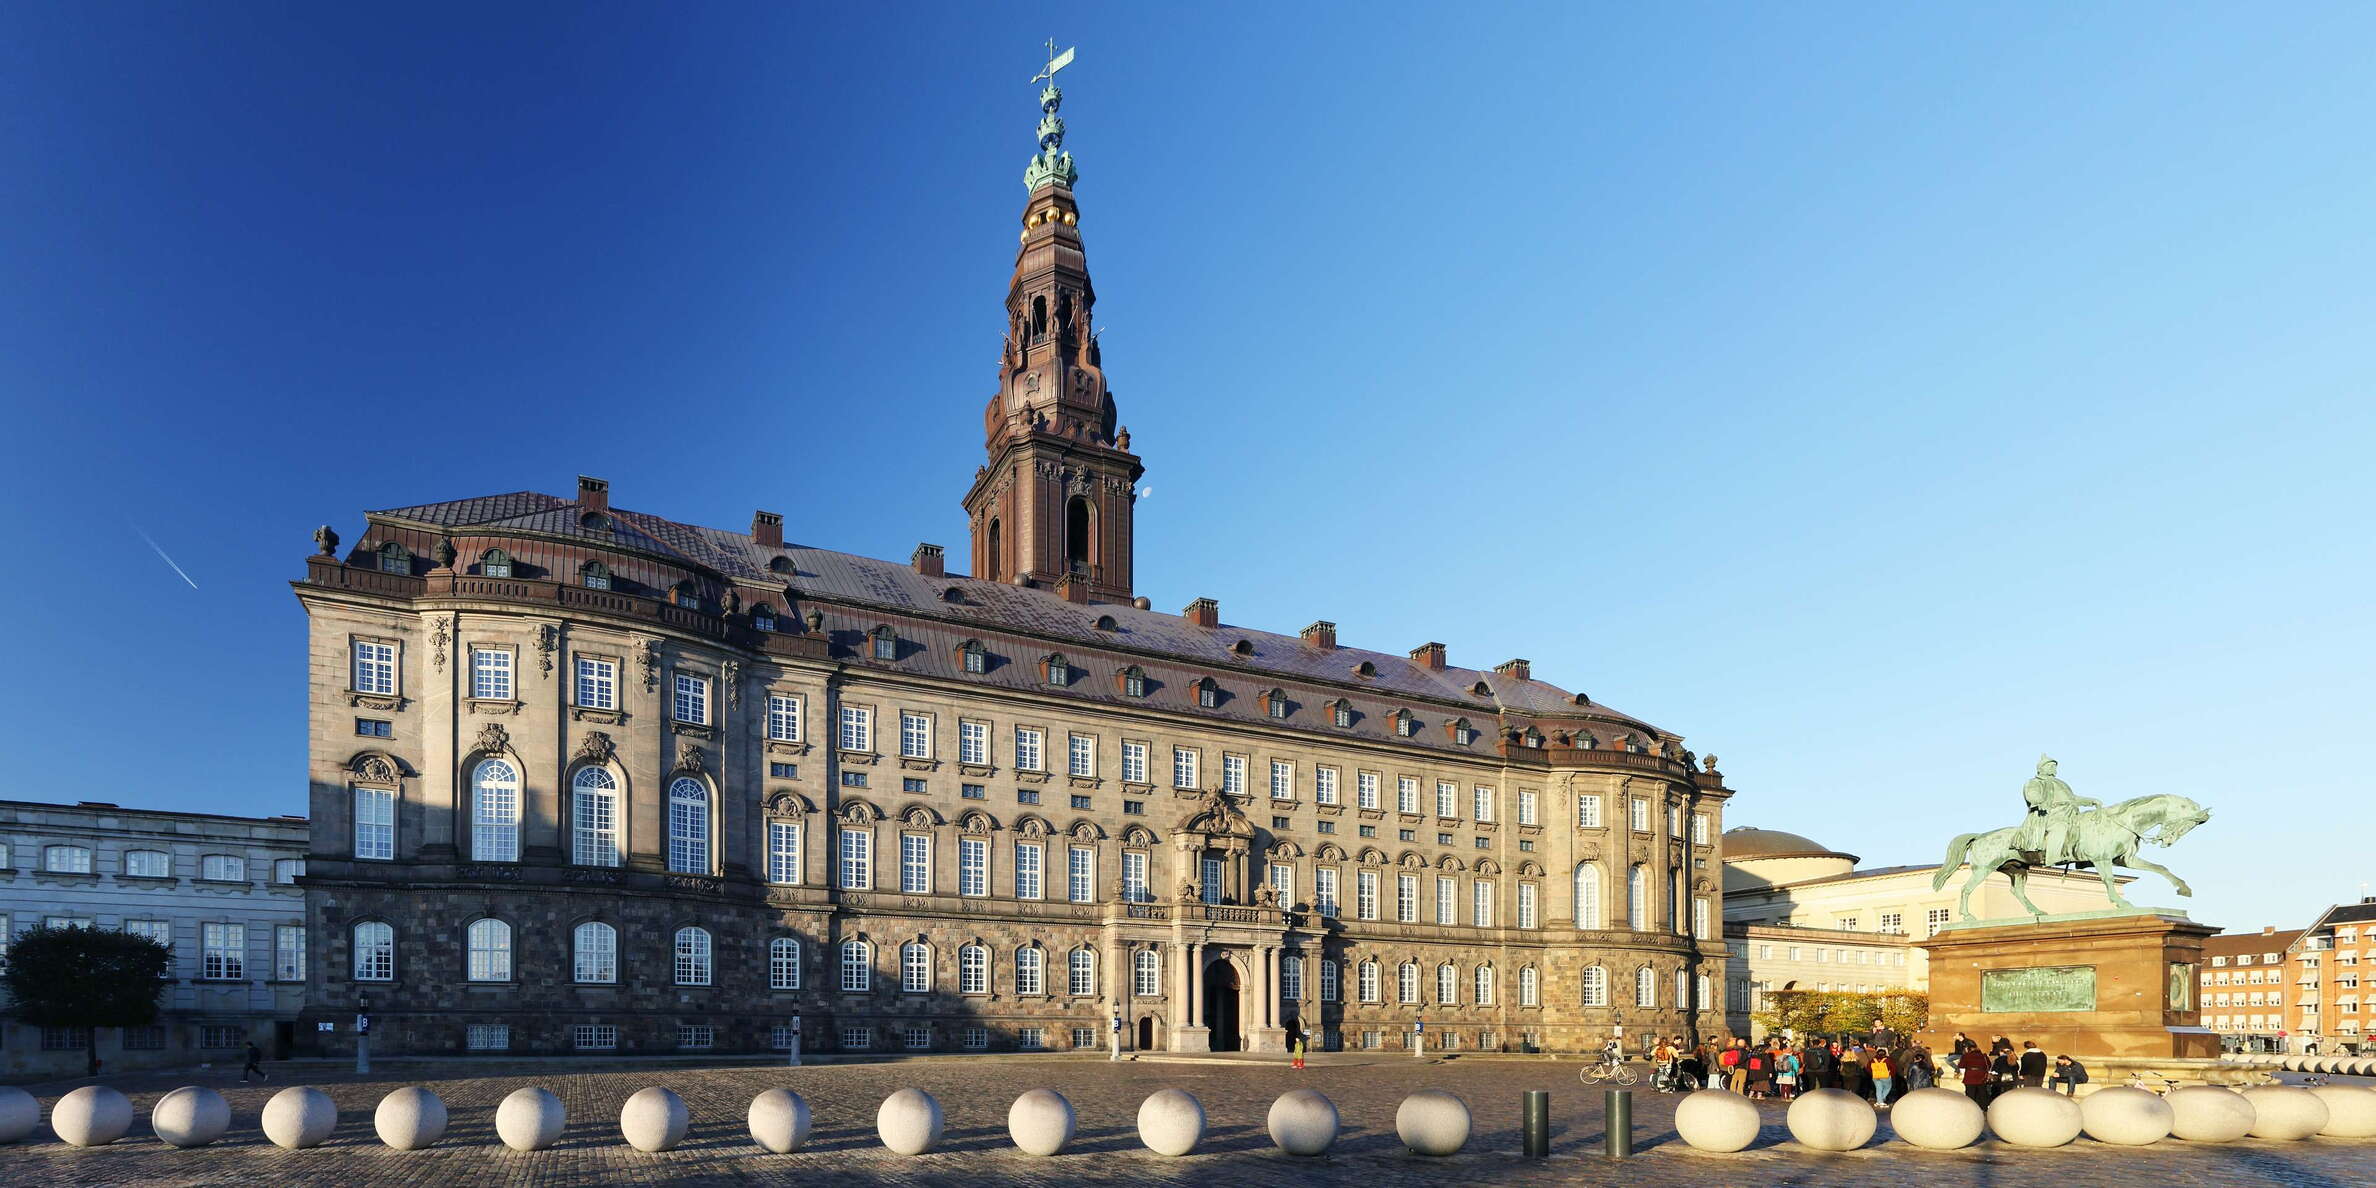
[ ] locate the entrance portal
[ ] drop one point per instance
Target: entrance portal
(1221, 1005)
(1146, 1033)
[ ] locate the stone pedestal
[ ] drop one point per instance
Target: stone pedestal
(2094, 986)
(1191, 1039)
(1266, 1039)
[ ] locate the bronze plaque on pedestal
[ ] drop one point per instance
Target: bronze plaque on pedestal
(2038, 989)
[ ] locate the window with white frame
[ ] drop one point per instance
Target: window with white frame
(915, 863)
(1483, 989)
(973, 866)
(1080, 755)
(1324, 891)
(375, 668)
(1328, 979)
(1530, 986)
(375, 952)
(1366, 979)
(594, 1037)
(783, 851)
(915, 735)
(1699, 829)
(594, 949)
(1406, 794)
(857, 728)
(692, 957)
(1683, 992)
(1675, 821)
(857, 967)
(1406, 899)
(1593, 987)
(1365, 789)
(491, 674)
(688, 826)
(594, 818)
(160, 931)
(286, 871)
(1447, 799)
(494, 812)
(1027, 749)
(1080, 978)
(1588, 811)
(1526, 806)
(1365, 895)
(288, 953)
(1481, 903)
(597, 683)
(1640, 819)
(1080, 874)
(1027, 870)
(783, 963)
(1134, 762)
(1406, 982)
(1233, 774)
(915, 968)
(973, 742)
(1134, 877)
(783, 717)
(1282, 780)
(1291, 978)
(1701, 922)
(222, 951)
(1282, 880)
(1210, 883)
(214, 868)
(1637, 897)
(1324, 785)
(857, 858)
(1481, 798)
(1645, 987)
(1146, 974)
(487, 1037)
(1447, 900)
(1183, 767)
(148, 864)
(1526, 906)
(973, 970)
(490, 951)
(1031, 969)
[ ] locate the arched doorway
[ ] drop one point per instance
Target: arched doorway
(1146, 1033)
(1221, 1005)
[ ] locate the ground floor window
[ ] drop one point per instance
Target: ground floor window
(857, 1039)
(780, 1036)
(1084, 1037)
(594, 1037)
(222, 1035)
(1485, 1040)
(65, 1039)
(976, 1038)
(697, 1038)
(1032, 1039)
(1370, 1039)
(917, 1037)
(144, 1039)
(488, 1037)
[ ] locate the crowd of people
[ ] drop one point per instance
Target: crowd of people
(1880, 1067)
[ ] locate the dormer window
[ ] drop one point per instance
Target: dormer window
(1107, 623)
(1462, 733)
(781, 564)
(886, 643)
(595, 575)
(1365, 670)
(763, 618)
(394, 559)
(1340, 712)
(1404, 724)
(594, 522)
(1208, 694)
(1533, 738)
(683, 595)
(973, 657)
(1059, 672)
(952, 595)
(495, 563)
(1481, 689)
(1134, 682)
(1243, 647)
(1275, 703)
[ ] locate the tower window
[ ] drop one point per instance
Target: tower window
(1076, 535)
(997, 558)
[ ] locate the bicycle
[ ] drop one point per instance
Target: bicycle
(1612, 1071)
(1671, 1079)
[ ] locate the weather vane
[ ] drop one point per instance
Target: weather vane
(1056, 62)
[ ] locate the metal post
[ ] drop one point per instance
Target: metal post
(792, 1057)
(1537, 1127)
(1618, 1110)
(362, 1034)
(1418, 1038)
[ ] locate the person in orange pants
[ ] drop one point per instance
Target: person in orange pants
(1299, 1051)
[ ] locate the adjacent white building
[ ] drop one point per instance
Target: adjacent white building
(221, 891)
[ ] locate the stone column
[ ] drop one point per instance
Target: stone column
(1195, 1002)
(1271, 989)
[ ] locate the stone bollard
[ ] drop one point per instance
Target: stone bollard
(655, 1119)
(909, 1122)
(92, 1116)
(300, 1116)
(2285, 1112)
(1171, 1121)
(1831, 1120)
(1040, 1122)
(1432, 1122)
(1938, 1119)
(2351, 1111)
(779, 1121)
(1303, 1122)
(531, 1119)
(2034, 1117)
(1717, 1120)
(191, 1116)
(20, 1112)
(2209, 1114)
(410, 1118)
(2125, 1117)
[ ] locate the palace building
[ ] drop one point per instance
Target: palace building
(585, 778)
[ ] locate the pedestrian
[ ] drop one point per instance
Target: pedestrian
(1974, 1065)
(255, 1064)
(1730, 1062)
(1882, 1078)
(2033, 1064)
(1920, 1072)
(2069, 1074)
(1299, 1049)
(1786, 1074)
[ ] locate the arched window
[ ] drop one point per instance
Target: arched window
(1463, 733)
(594, 953)
(375, 952)
(495, 563)
(394, 559)
(973, 970)
(1406, 982)
(1081, 973)
(1276, 702)
(1595, 984)
(857, 966)
(1077, 535)
(1530, 987)
(1588, 895)
(1147, 974)
(685, 595)
(1341, 713)
(973, 657)
(1208, 694)
(915, 968)
(1637, 898)
(1484, 989)
(1448, 984)
(783, 963)
(688, 826)
(594, 818)
(763, 618)
(595, 575)
(1031, 971)
(1645, 987)
(1366, 981)
(494, 812)
(692, 957)
(1059, 672)
(1134, 681)
(490, 951)
(886, 643)
(997, 571)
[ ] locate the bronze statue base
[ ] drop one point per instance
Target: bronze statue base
(2092, 987)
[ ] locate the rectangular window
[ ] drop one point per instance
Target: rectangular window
(1406, 899)
(782, 771)
(783, 851)
(973, 866)
(1526, 905)
(696, 1036)
(1324, 891)
(1282, 880)
(286, 871)
(1588, 811)
(783, 717)
(491, 674)
(1080, 875)
(1081, 802)
(220, 868)
(1183, 767)
(1291, 978)
(1447, 900)
(487, 1037)
(1080, 756)
(1328, 980)
(1640, 819)
(1675, 821)
(1699, 829)
(1324, 785)
(1233, 774)
(1365, 895)
(1032, 1039)
(597, 683)
(973, 743)
(594, 1037)
(1481, 903)
(288, 953)
(1447, 799)
(223, 951)
(1134, 762)
(1134, 877)
(915, 735)
(1027, 749)
(783, 964)
(375, 668)
(975, 1039)
(144, 1039)
(1481, 798)
(915, 864)
(374, 728)
(857, 859)
(1365, 789)
(222, 1035)
(1027, 796)
(1027, 870)
(915, 969)
(1282, 784)
(375, 823)
(1526, 806)
(857, 728)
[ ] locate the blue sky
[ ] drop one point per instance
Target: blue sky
(1877, 395)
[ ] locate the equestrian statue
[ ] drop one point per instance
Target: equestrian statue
(2067, 830)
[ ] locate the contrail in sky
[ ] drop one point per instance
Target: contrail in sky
(161, 553)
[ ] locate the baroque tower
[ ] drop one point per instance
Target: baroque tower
(1053, 503)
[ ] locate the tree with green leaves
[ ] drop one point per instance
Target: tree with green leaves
(1818, 1012)
(86, 978)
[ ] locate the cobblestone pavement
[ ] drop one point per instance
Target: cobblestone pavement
(975, 1093)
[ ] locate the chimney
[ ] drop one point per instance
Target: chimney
(1072, 587)
(1204, 612)
(2268, 930)
(1429, 655)
(594, 493)
(767, 529)
(1516, 670)
(1321, 634)
(927, 560)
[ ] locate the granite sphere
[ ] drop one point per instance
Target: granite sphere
(530, 1119)
(909, 1122)
(1171, 1121)
(1040, 1122)
(410, 1118)
(1303, 1122)
(1432, 1122)
(191, 1116)
(779, 1120)
(654, 1119)
(92, 1116)
(2351, 1111)
(299, 1117)
(2285, 1112)
(1831, 1120)
(1717, 1120)
(1938, 1119)
(2125, 1116)
(2035, 1117)
(2209, 1114)
(20, 1112)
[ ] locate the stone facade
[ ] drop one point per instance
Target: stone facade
(558, 717)
(189, 879)
(1770, 957)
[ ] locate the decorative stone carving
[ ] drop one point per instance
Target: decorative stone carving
(548, 640)
(730, 674)
(596, 747)
(375, 769)
(647, 661)
(441, 634)
(326, 539)
(444, 552)
(689, 758)
(493, 739)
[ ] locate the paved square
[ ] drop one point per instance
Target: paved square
(975, 1092)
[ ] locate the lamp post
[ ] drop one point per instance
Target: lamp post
(362, 1032)
(792, 1057)
(1419, 1037)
